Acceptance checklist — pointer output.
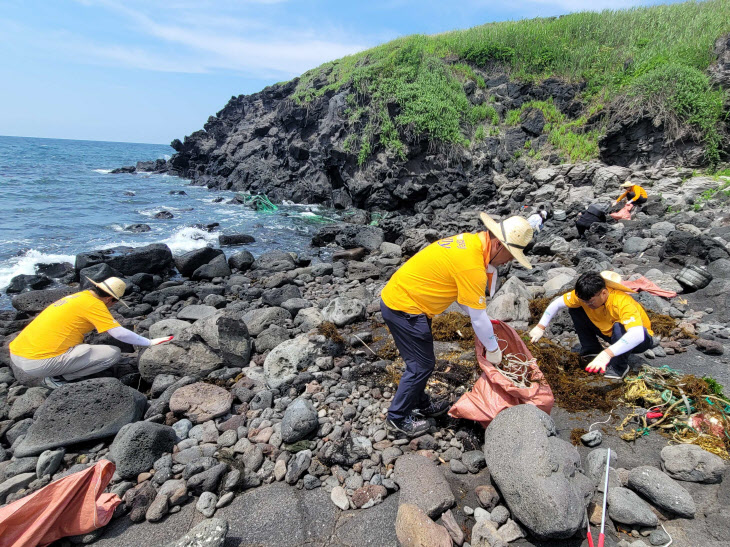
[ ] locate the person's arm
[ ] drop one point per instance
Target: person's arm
(129, 337)
(622, 196)
(554, 307)
(633, 337)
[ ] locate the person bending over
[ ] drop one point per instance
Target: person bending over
(601, 307)
(634, 194)
(458, 268)
(51, 347)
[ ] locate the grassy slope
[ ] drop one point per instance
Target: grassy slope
(652, 58)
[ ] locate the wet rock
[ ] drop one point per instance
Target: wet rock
(235, 239)
(241, 261)
(422, 484)
(201, 402)
(188, 262)
(23, 282)
(689, 462)
(545, 496)
(155, 258)
(218, 267)
(37, 301)
(82, 411)
(662, 491)
(137, 228)
(137, 446)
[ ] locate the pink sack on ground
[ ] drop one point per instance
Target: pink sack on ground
(623, 214)
(69, 506)
(643, 284)
(493, 392)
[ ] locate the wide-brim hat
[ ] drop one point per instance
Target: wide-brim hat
(113, 286)
(515, 233)
(627, 184)
(613, 281)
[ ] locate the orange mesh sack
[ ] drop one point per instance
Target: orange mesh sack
(69, 506)
(493, 391)
(623, 214)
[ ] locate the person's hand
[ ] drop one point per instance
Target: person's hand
(494, 357)
(599, 363)
(536, 333)
(158, 341)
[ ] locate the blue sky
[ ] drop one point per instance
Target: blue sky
(152, 70)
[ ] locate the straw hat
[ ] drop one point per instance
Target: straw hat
(113, 286)
(613, 281)
(627, 184)
(515, 233)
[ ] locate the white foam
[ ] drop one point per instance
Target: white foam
(102, 171)
(189, 239)
(26, 264)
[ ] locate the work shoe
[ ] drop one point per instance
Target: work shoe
(434, 409)
(410, 426)
(54, 382)
(616, 372)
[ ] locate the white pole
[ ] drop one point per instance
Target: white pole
(605, 490)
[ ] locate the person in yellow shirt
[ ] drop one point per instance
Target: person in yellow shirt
(634, 193)
(459, 268)
(601, 307)
(51, 346)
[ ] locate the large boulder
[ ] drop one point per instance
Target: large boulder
(661, 490)
(680, 245)
(300, 419)
(25, 282)
(343, 311)
(137, 446)
(82, 411)
(218, 267)
(168, 327)
(195, 360)
(227, 334)
(187, 263)
(258, 320)
(423, 484)
(288, 358)
(688, 462)
(538, 473)
(241, 260)
(509, 307)
(155, 258)
(37, 301)
(201, 402)
(351, 236)
(274, 261)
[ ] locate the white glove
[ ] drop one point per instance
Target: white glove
(536, 333)
(494, 357)
(599, 363)
(158, 341)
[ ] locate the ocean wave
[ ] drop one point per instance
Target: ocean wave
(26, 264)
(189, 239)
(102, 171)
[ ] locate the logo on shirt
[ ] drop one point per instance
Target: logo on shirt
(445, 242)
(631, 319)
(482, 299)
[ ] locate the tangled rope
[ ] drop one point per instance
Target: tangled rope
(516, 367)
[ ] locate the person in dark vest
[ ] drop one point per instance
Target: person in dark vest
(593, 213)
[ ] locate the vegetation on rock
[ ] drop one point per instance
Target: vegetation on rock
(652, 61)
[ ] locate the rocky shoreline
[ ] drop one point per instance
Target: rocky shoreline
(280, 372)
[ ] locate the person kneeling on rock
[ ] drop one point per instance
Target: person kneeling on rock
(51, 347)
(458, 268)
(601, 308)
(634, 194)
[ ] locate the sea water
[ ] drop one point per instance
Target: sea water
(58, 198)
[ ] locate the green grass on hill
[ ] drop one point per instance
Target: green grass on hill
(653, 57)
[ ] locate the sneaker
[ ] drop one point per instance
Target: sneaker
(54, 382)
(434, 409)
(409, 426)
(616, 372)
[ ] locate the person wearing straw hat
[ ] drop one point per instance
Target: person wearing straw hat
(459, 268)
(602, 308)
(51, 346)
(634, 193)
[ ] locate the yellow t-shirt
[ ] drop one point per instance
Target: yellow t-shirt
(447, 270)
(619, 308)
(638, 191)
(62, 325)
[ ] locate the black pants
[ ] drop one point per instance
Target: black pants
(588, 334)
(413, 338)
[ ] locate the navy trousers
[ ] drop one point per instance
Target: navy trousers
(413, 338)
(588, 334)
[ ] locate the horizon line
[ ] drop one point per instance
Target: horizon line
(83, 140)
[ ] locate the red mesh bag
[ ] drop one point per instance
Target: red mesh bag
(493, 392)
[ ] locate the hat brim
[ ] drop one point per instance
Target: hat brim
(618, 286)
(493, 227)
(103, 288)
(627, 185)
